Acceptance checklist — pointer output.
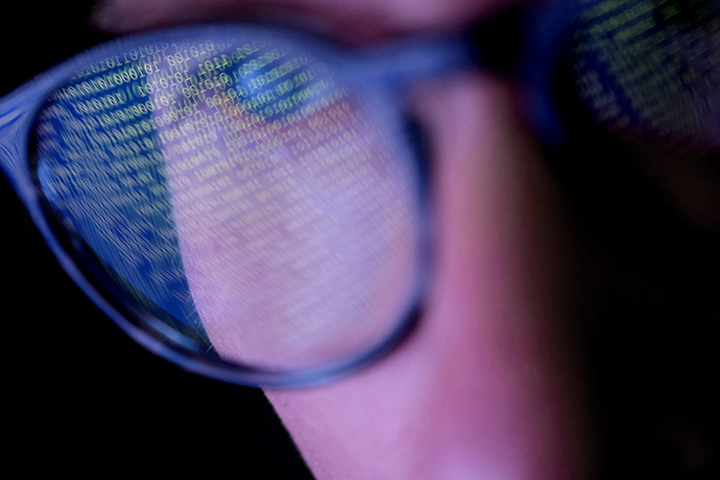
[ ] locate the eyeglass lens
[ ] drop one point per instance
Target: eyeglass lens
(651, 69)
(235, 194)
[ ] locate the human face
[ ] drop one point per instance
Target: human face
(485, 387)
(478, 390)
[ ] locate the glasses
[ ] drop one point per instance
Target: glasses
(250, 203)
(241, 200)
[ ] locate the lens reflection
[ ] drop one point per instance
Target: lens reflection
(235, 187)
(651, 69)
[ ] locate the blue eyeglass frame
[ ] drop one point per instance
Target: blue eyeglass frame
(380, 73)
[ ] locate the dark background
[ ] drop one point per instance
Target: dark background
(78, 394)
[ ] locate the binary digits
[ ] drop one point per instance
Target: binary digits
(100, 164)
(651, 68)
(237, 186)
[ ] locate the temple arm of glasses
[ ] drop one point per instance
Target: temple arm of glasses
(15, 117)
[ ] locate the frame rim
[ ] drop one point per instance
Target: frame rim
(25, 104)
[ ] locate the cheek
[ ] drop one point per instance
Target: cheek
(477, 391)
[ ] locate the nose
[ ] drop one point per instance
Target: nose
(484, 388)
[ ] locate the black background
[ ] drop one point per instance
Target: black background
(78, 394)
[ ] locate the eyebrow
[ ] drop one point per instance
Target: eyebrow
(122, 16)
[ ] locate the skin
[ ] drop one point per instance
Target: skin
(486, 387)
(477, 392)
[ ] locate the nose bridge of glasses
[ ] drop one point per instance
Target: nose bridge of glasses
(402, 64)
